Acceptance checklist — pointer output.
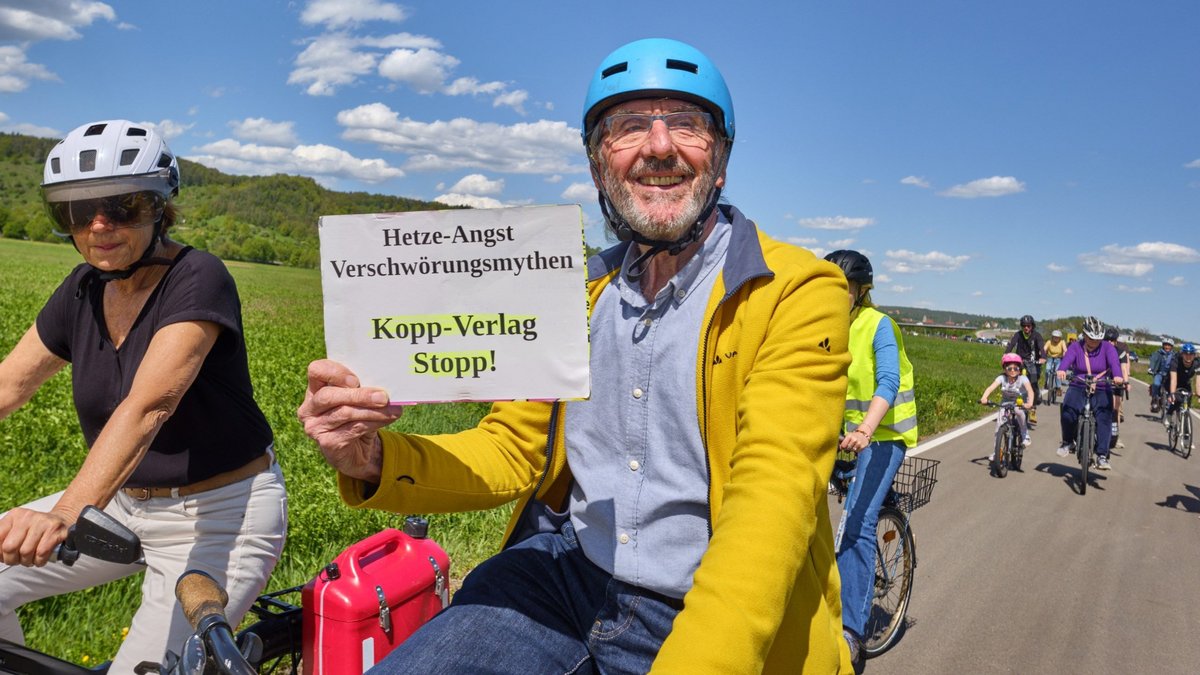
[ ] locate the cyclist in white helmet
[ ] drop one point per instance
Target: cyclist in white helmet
(1160, 369)
(1093, 356)
(178, 450)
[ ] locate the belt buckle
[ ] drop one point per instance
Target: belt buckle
(141, 494)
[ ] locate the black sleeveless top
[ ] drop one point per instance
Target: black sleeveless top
(217, 425)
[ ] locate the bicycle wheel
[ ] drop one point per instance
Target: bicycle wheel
(895, 562)
(1084, 444)
(1016, 448)
(1000, 453)
(1185, 436)
(281, 642)
(1052, 393)
(1173, 430)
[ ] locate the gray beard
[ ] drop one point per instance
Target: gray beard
(622, 200)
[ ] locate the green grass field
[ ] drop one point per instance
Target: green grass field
(41, 446)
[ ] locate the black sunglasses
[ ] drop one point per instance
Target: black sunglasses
(127, 210)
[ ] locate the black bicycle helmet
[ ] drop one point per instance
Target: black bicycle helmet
(1111, 334)
(1027, 320)
(855, 266)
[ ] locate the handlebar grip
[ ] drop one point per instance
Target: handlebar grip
(199, 596)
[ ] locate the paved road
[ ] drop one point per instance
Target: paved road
(1025, 575)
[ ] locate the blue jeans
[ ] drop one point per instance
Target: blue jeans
(1072, 408)
(540, 606)
(877, 466)
(1052, 372)
(1156, 386)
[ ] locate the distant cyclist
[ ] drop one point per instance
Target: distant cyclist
(1160, 369)
(1090, 356)
(1013, 385)
(1029, 345)
(1056, 348)
(1183, 376)
(1110, 336)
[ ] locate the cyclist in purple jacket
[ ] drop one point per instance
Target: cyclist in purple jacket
(1091, 355)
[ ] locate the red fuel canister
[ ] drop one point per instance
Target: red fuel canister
(371, 598)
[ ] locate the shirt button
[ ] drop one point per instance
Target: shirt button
(624, 538)
(679, 294)
(647, 321)
(637, 392)
(633, 465)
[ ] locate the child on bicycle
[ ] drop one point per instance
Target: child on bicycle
(1012, 386)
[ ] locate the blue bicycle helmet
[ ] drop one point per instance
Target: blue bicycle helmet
(658, 67)
(1187, 348)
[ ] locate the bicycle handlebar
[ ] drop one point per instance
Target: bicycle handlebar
(203, 602)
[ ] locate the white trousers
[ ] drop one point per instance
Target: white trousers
(234, 533)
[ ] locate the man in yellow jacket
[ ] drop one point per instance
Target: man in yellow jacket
(676, 521)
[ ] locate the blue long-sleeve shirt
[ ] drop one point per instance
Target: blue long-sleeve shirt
(887, 361)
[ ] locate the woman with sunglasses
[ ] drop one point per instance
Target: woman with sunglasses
(1012, 385)
(178, 450)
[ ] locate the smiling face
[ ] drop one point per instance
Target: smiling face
(661, 182)
(109, 246)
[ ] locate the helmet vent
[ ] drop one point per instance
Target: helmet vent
(135, 131)
(127, 156)
(675, 64)
(55, 166)
(95, 130)
(87, 160)
(164, 160)
(614, 69)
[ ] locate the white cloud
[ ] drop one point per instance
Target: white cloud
(265, 131)
(28, 129)
(474, 201)
(556, 178)
(910, 262)
(1105, 264)
(342, 13)
(331, 61)
(882, 279)
(1194, 164)
(50, 19)
(539, 147)
(897, 288)
(16, 73)
(470, 85)
(425, 70)
(1055, 267)
(918, 181)
(169, 129)
(802, 241)
(835, 223)
(840, 243)
(1178, 281)
(1133, 289)
(513, 99)
(996, 186)
(1068, 291)
(478, 184)
(977, 294)
(579, 192)
(306, 160)
(1155, 250)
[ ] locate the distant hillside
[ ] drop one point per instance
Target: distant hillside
(271, 219)
(962, 321)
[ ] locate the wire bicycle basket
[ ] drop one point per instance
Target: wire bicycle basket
(911, 488)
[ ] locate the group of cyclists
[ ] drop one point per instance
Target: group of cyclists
(1097, 353)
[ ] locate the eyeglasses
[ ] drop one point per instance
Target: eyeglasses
(691, 128)
(134, 209)
(1012, 367)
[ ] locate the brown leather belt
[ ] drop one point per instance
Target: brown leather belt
(251, 468)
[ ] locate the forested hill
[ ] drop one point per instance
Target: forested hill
(270, 219)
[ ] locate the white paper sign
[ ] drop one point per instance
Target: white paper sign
(459, 305)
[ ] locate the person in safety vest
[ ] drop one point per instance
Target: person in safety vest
(677, 520)
(880, 423)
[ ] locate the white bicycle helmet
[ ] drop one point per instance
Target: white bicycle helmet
(1092, 328)
(108, 158)
(1056, 333)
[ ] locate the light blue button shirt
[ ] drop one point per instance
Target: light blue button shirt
(639, 503)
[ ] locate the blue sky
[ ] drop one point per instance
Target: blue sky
(999, 158)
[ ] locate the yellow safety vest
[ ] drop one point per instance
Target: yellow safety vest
(900, 422)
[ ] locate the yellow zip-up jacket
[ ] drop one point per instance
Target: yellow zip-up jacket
(771, 385)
